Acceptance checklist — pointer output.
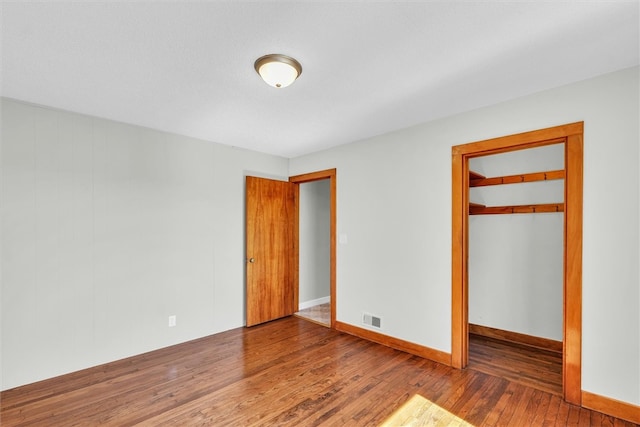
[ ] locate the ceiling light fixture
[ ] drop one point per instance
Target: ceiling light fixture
(278, 70)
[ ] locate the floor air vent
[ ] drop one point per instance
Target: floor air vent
(371, 320)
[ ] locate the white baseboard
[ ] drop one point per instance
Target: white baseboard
(313, 303)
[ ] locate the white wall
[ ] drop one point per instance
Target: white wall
(314, 277)
(516, 261)
(107, 229)
(394, 206)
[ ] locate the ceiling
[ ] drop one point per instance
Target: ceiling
(368, 67)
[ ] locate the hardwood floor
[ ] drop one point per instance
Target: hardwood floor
(535, 368)
(286, 372)
(320, 314)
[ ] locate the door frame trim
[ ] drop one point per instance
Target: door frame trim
(329, 174)
(572, 137)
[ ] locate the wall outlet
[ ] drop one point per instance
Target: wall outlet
(172, 321)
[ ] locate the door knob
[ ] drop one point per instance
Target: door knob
(251, 260)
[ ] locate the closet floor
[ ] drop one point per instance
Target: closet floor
(540, 369)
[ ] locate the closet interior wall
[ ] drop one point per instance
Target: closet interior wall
(516, 259)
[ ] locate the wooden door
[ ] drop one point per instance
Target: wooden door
(272, 254)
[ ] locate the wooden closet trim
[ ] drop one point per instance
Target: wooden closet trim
(572, 137)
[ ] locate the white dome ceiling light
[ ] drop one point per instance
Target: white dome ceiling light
(278, 70)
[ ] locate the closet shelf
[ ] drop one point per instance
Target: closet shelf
(478, 209)
(475, 176)
(478, 180)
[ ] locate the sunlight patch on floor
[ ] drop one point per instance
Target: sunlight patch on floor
(419, 411)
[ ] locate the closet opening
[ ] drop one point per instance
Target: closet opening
(515, 265)
(526, 311)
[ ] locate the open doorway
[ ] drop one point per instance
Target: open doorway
(314, 252)
(515, 266)
(571, 136)
(272, 226)
(316, 231)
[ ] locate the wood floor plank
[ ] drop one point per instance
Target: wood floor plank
(287, 372)
(486, 400)
(501, 413)
(537, 368)
(551, 415)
